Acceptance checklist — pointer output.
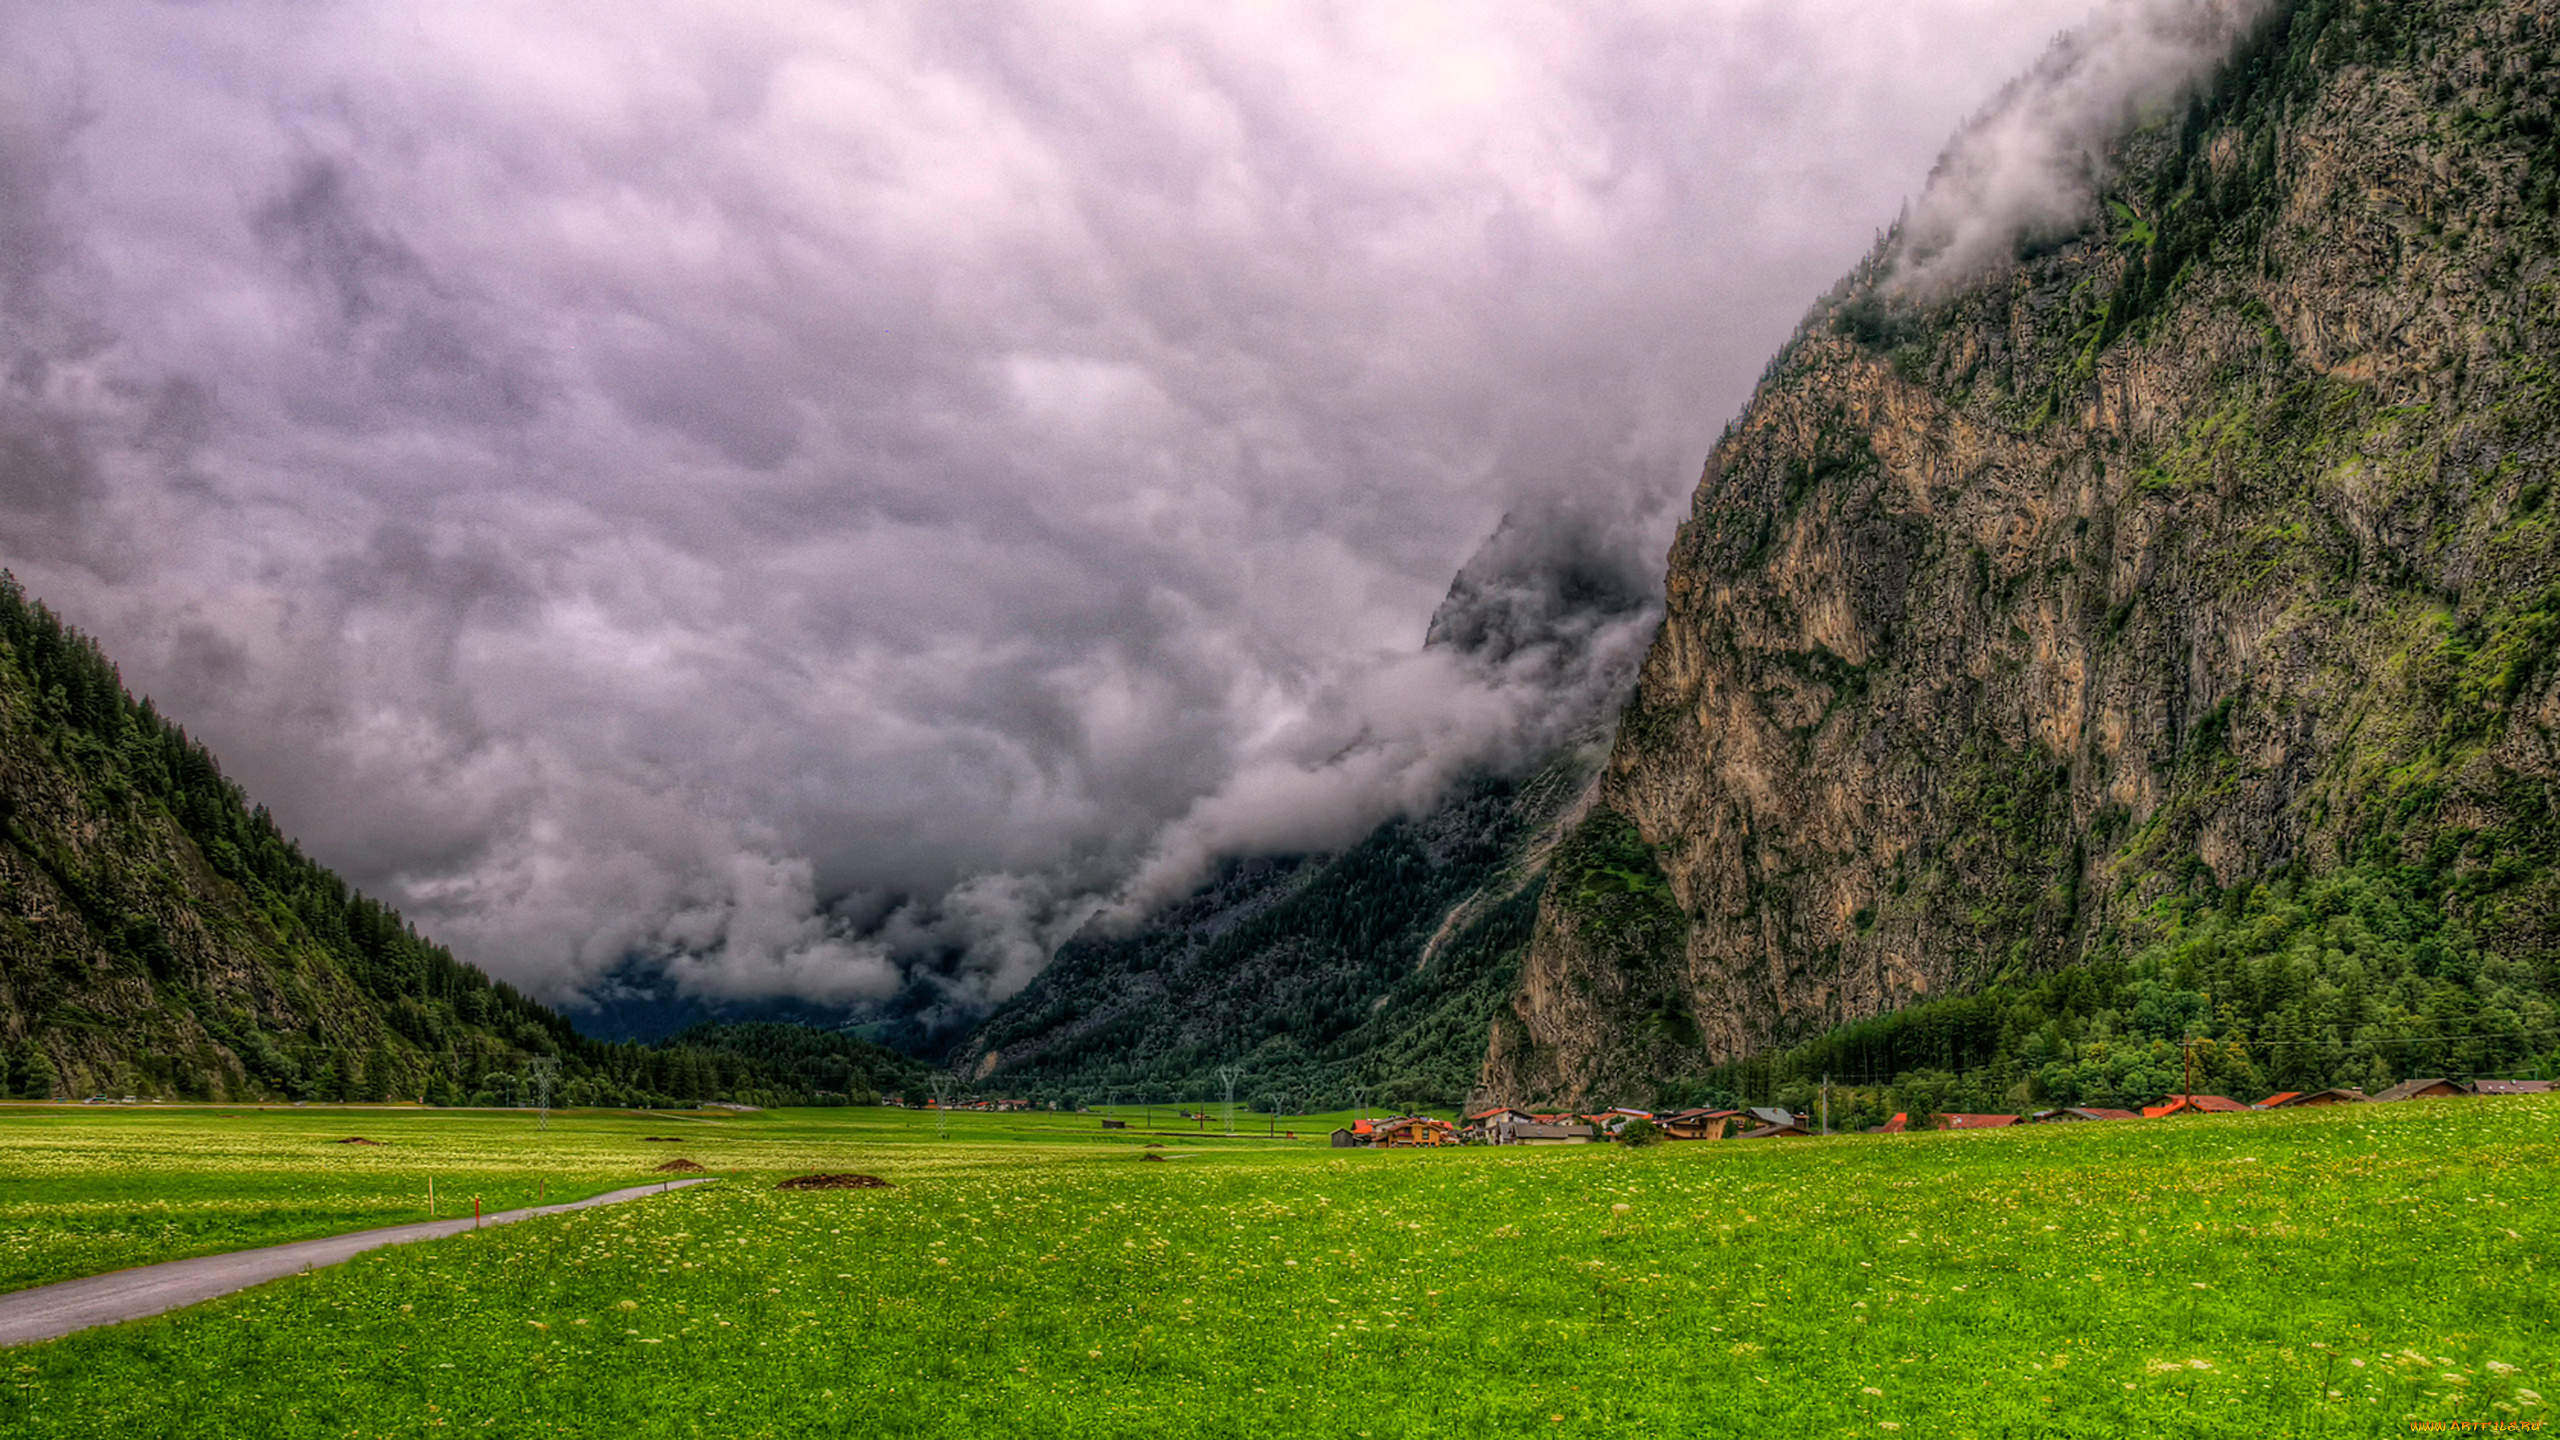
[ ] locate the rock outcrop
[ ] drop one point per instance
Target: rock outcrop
(2206, 541)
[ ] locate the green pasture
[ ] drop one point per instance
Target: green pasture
(2334, 1272)
(88, 1189)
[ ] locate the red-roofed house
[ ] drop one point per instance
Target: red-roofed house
(2194, 1105)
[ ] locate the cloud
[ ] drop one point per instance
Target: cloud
(825, 498)
(2029, 167)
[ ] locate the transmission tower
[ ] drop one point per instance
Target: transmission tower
(944, 1085)
(1229, 1075)
(543, 1069)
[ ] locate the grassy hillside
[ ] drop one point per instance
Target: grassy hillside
(160, 936)
(2311, 1273)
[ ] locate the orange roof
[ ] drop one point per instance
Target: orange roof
(2209, 1104)
(1974, 1122)
(1897, 1124)
(2277, 1098)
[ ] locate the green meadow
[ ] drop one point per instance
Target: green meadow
(2333, 1272)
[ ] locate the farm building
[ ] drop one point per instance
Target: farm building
(2510, 1087)
(2423, 1090)
(1344, 1140)
(2296, 1099)
(1777, 1132)
(2082, 1112)
(1770, 1115)
(2194, 1105)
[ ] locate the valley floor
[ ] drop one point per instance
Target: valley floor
(2331, 1272)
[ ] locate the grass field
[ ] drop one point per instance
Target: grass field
(2334, 1272)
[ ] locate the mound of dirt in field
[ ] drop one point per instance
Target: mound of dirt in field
(679, 1163)
(1155, 1144)
(833, 1182)
(1151, 1157)
(355, 1140)
(660, 1140)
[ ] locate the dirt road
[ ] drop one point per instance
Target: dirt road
(50, 1311)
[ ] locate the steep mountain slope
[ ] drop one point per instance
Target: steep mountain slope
(2170, 604)
(160, 937)
(1381, 966)
(1378, 967)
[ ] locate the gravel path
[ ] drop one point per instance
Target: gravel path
(49, 1311)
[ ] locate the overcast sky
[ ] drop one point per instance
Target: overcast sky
(820, 495)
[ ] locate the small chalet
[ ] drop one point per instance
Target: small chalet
(1417, 1130)
(1770, 1115)
(2194, 1105)
(1344, 1140)
(1975, 1122)
(1496, 1119)
(2296, 1099)
(1536, 1133)
(1777, 1132)
(2423, 1090)
(2081, 1112)
(1699, 1124)
(2510, 1087)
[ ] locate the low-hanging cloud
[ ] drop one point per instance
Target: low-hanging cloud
(824, 500)
(2030, 166)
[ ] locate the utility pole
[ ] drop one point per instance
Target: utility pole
(2188, 1095)
(1360, 1101)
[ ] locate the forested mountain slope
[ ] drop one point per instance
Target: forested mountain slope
(2147, 635)
(160, 937)
(1377, 968)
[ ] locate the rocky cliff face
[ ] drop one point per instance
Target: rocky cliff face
(2201, 539)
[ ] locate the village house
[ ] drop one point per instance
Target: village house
(2081, 1112)
(1788, 1130)
(2194, 1105)
(1548, 1133)
(1416, 1130)
(2510, 1087)
(2423, 1090)
(1699, 1124)
(2296, 1099)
